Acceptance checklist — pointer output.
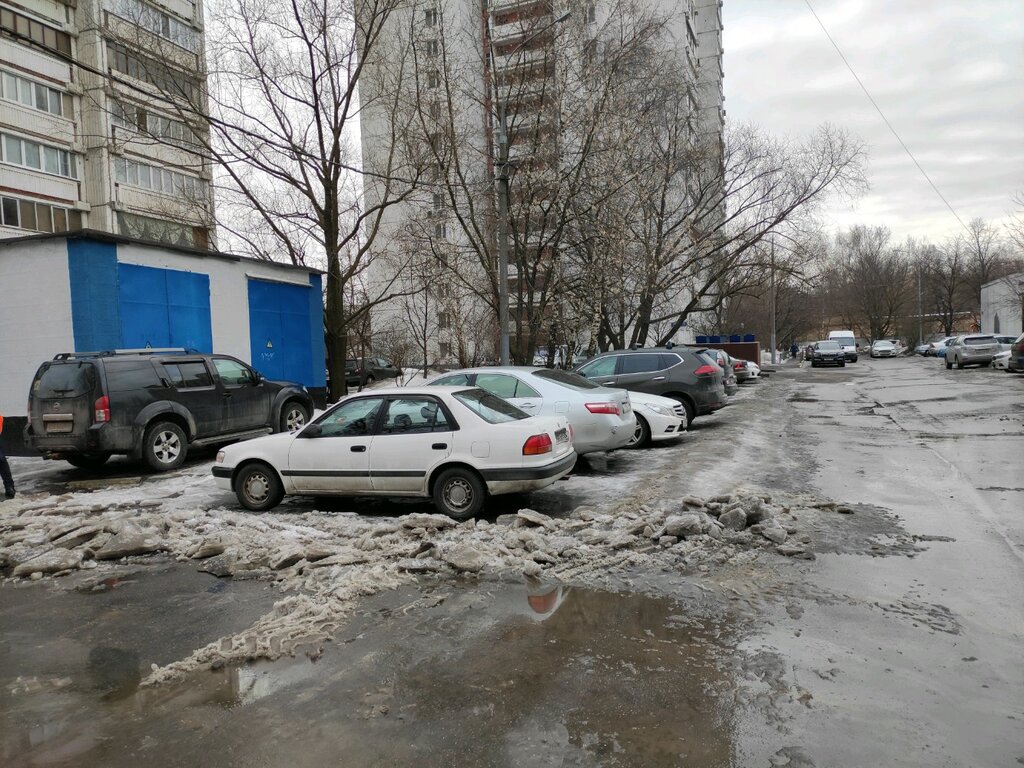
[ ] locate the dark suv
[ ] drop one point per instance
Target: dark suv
(686, 374)
(362, 371)
(152, 405)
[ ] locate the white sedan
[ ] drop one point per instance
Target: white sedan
(454, 444)
(657, 418)
(883, 348)
(602, 418)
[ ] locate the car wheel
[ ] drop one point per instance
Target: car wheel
(842, 364)
(641, 435)
(691, 412)
(959, 364)
(294, 416)
(814, 364)
(459, 493)
(369, 380)
(164, 446)
(258, 487)
(949, 364)
(87, 460)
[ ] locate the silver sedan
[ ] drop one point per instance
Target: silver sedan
(601, 418)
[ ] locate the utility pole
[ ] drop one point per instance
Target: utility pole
(920, 316)
(501, 108)
(772, 304)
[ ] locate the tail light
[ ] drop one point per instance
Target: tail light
(705, 370)
(537, 444)
(610, 408)
(738, 367)
(572, 435)
(101, 410)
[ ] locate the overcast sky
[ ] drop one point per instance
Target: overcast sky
(948, 74)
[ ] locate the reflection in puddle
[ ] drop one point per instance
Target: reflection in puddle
(516, 675)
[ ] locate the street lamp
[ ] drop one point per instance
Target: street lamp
(502, 179)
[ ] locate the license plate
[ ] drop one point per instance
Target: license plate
(59, 427)
(562, 436)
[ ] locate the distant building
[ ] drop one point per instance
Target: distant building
(96, 126)
(1002, 305)
(104, 292)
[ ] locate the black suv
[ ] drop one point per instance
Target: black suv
(686, 374)
(152, 405)
(362, 371)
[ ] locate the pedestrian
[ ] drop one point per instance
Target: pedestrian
(5, 468)
(793, 349)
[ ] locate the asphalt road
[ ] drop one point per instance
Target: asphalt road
(899, 645)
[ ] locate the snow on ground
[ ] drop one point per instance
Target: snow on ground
(324, 561)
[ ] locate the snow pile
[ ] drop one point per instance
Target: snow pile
(327, 561)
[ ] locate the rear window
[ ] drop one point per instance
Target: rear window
(66, 380)
(569, 379)
(488, 407)
(980, 340)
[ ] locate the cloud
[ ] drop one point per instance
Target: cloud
(948, 75)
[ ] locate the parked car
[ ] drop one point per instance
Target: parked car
(938, 348)
(154, 405)
(883, 348)
(1001, 360)
(1016, 361)
(809, 351)
(363, 371)
(602, 419)
(457, 445)
(848, 342)
(754, 369)
(742, 370)
(729, 378)
(828, 353)
(1005, 342)
(688, 375)
(971, 350)
(657, 418)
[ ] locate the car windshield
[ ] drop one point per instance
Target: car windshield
(488, 407)
(980, 340)
(846, 341)
(66, 380)
(827, 346)
(883, 343)
(565, 378)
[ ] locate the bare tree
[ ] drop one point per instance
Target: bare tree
(872, 278)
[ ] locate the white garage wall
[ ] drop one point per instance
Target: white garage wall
(229, 289)
(35, 316)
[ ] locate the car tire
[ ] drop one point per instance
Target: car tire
(959, 364)
(641, 435)
(459, 493)
(842, 364)
(258, 488)
(294, 416)
(949, 364)
(814, 364)
(369, 380)
(87, 460)
(691, 412)
(164, 446)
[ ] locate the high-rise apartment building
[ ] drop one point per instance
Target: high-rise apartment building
(97, 126)
(467, 64)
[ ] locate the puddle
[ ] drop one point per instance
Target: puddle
(504, 675)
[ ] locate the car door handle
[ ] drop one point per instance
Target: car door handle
(227, 394)
(528, 405)
(358, 449)
(440, 446)
(658, 378)
(607, 381)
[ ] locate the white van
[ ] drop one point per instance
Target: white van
(848, 342)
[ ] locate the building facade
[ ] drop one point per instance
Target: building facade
(501, 88)
(98, 126)
(1002, 305)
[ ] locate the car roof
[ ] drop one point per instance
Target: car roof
(416, 391)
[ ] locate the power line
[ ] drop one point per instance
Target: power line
(884, 118)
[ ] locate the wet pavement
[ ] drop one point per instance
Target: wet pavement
(900, 645)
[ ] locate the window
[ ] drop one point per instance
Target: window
(47, 36)
(433, 79)
(353, 418)
(147, 228)
(431, 48)
(604, 366)
(411, 415)
(38, 217)
(455, 380)
(188, 375)
(162, 180)
(498, 384)
(443, 320)
(31, 154)
(165, 79)
(440, 230)
(436, 202)
(491, 409)
(35, 95)
(430, 17)
(640, 363)
(159, 23)
(232, 373)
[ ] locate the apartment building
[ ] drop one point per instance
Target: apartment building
(97, 119)
(504, 56)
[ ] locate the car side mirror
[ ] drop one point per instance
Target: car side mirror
(312, 430)
(257, 378)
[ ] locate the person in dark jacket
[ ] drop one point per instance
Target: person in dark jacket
(793, 350)
(5, 468)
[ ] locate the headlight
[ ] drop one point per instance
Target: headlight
(662, 409)
(220, 457)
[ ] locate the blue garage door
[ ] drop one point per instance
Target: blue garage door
(279, 331)
(164, 308)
